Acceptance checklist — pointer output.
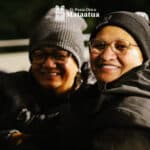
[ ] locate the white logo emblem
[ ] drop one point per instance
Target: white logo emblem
(60, 13)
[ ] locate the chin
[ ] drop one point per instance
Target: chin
(50, 86)
(106, 79)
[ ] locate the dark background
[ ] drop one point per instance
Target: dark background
(19, 17)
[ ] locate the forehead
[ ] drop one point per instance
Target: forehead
(111, 33)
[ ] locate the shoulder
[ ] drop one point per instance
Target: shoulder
(13, 86)
(85, 99)
(2, 73)
(13, 78)
(14, 74)
(122, 138)
(131, 111)
(85, 91)
(10, 87)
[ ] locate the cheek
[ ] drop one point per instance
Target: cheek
(131, 59)
(34, 69)
(93, 62)
(70, 70)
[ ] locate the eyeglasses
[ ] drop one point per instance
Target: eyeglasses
(58, 56)
(118, 46)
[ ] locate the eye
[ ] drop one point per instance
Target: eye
(38, 54)
(60, 56)
(121, 45)
(99, 45)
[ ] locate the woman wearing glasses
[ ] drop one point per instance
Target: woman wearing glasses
(114, 114)
(34, 103)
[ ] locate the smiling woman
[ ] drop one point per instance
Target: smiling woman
(50, 51)
(35, 102)
(111, 113)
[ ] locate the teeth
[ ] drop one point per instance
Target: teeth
(109, 66)
(53, 73)
(50, 73)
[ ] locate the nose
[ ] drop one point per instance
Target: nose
(108, 54)
(49, 62)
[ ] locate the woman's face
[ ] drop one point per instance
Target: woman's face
(113, 52)
(56, 71)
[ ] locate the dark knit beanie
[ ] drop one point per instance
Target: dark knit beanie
(133, 23)
(63, 29)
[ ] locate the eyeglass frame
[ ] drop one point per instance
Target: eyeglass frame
(112, 46)
(51, 55)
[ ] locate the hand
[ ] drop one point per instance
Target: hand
(16, 137)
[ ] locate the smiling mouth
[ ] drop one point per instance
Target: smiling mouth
(109, 66)
(50, 73)
(53, 74)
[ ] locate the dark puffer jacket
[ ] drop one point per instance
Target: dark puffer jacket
(113, 116)
(26, 107)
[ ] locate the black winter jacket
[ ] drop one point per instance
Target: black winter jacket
(26, 107)
(113, 116)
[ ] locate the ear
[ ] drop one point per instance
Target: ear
(77, 81)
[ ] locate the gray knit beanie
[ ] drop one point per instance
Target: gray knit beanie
(62, 29)
(133, 23)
